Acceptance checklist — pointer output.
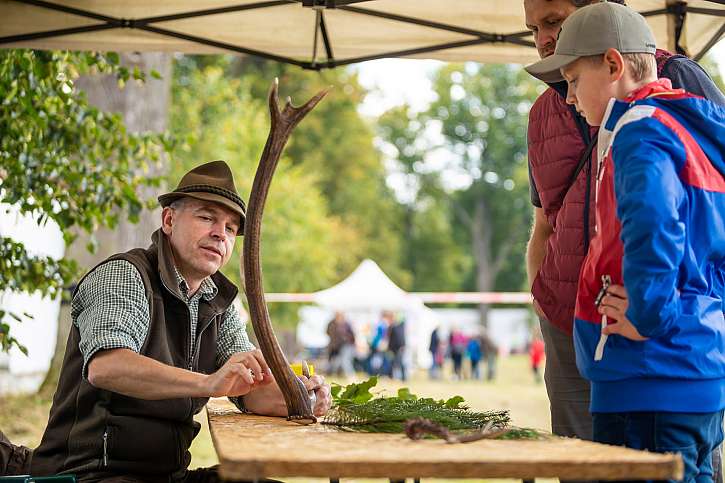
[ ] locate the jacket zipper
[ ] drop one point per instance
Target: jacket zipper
(190, 352)
(105, 447)
(599, 351)
(190, 345)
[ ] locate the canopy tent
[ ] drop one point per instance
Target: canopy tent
(362, 296)
(319, 34)
(367, 288)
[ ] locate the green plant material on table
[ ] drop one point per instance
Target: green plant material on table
(355, 408)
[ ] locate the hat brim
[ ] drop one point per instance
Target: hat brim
(548, 69)
(168, 198)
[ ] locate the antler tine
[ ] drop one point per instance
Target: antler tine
(273, 102)
(290, 109)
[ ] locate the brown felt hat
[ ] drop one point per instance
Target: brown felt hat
(209, 182)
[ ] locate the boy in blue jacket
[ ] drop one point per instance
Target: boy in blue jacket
(649, 328)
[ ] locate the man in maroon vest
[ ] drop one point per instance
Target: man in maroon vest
(562, 192)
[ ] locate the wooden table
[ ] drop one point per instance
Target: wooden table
(257, 447)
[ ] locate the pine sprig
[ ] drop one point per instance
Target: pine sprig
(356, 409)
(388, 415)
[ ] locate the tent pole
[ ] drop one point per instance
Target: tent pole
(711, 43)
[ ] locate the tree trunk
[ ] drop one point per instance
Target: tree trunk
(482, 250)
(144, 107)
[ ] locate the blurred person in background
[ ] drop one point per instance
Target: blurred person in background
(434, 348)
(397, 348)
(536, 356)
(378, 362)
(474, 355)
(457, 342)
(341, 349)
(490, 352)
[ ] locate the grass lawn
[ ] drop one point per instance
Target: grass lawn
(23, 419)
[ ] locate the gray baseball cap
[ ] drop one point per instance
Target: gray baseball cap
(592, 30)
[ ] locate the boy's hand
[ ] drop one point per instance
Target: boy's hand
(614, 305)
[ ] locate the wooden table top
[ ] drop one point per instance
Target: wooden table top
(257, 447)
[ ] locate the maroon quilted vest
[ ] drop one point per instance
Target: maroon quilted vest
(555, 147)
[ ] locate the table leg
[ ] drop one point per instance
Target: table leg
(334, 480)
(533, 480)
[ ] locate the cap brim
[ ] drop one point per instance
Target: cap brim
(168, 198)
(548, 69)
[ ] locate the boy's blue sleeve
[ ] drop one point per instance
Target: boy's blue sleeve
(649, 194)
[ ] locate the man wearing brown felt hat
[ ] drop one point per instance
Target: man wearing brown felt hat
(154, 335)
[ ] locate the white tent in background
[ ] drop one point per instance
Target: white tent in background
(362, 296)
(367, 288)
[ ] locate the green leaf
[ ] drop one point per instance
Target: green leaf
(113, 58)
(405, 394)
(358, 392)
(454, 402)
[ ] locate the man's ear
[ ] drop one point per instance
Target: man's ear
(167, 219)
(615, 64)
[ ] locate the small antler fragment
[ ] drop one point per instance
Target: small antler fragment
(417, 428)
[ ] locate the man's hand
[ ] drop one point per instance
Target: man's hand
(614, 305)
(268, 400)
(242, 373)
(323, 396)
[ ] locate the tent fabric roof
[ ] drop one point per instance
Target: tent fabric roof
(367, 288)
(292, 31)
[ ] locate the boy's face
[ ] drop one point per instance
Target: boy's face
(590, 87)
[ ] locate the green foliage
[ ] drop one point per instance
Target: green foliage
(356, 409)
(305, 247)
(712, 67)
(354, 393)
(433, 254)
(336, 144)
(484, 114)
(63, 160)
(481, 113)
(328, 206)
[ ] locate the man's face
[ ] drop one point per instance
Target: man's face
(590, 88)
(202, 235)
(544, 19)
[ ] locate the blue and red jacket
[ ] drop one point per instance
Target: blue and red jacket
(660, 232)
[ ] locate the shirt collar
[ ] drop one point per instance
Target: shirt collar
(659, 87)
(616, 109)
(207, 289)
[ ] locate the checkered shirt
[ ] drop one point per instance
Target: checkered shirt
(111, 311)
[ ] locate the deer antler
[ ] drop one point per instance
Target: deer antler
(283, 122)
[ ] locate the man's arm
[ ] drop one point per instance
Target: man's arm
(131, 374)
(536, 248)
